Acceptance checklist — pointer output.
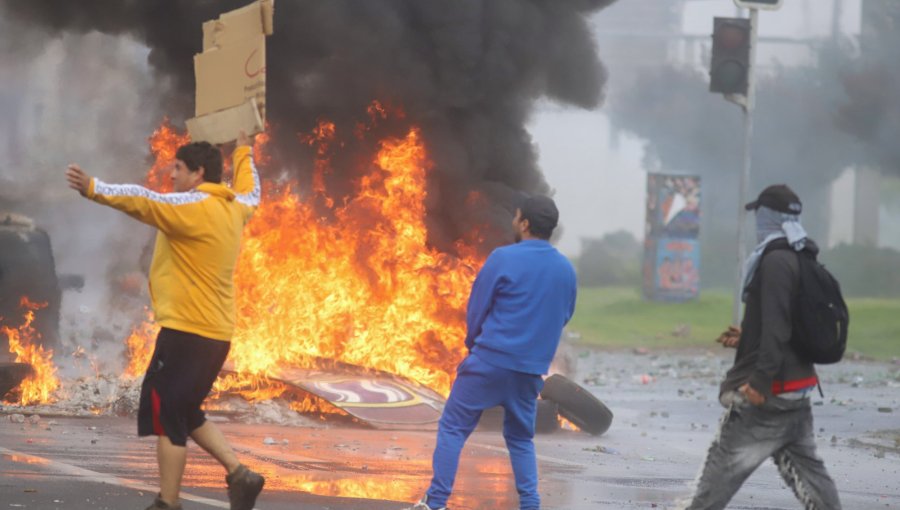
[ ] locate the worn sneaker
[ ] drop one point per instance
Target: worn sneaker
(159, 504)
(423, 505)
(243, 487)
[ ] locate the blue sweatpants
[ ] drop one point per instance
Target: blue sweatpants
(480, 386)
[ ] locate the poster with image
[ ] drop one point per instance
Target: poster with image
(673, 206)
(671, 266)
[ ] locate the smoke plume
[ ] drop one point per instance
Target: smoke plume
(466, 72)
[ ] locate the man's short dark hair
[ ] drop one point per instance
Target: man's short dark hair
(197, 154)
(542, 215)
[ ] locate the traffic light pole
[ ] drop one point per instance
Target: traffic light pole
(747, 103)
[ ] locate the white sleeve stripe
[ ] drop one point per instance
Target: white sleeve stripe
(133, 190)
(252, 198)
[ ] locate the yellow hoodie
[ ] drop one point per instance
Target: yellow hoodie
(191, 276)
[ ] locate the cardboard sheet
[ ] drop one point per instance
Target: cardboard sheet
(221, 126)
(231, 74)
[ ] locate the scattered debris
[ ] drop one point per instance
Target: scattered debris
(602, 449)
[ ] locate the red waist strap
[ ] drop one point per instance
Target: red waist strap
(797, 384)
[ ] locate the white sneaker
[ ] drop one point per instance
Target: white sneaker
(423, 505)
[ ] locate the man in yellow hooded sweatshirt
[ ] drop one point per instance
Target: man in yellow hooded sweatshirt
(192, 290)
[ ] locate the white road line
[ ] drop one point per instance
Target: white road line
(94, 476)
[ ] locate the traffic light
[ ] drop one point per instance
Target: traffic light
(759, 4)
(730, 65)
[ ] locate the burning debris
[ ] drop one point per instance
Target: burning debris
(359, 284)
(90, 396)
(23, 341)
(277, 411)
(12, 374)
(381, 196)
(466, 74)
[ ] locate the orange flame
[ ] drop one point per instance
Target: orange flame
(164, 143)
(322, 137)
(37, 387)
(139, 346)
(395, 489)
(361, 287)
(365, 289)
(261, 155)
(567, 425)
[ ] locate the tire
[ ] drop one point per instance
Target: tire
(547, 417)
(11, 375)
(547, 420)
(577, 404)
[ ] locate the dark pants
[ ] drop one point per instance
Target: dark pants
(180, 375)
(748, 435)
(480, 386)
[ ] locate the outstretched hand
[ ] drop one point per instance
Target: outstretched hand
(78, 179)
(730, 337)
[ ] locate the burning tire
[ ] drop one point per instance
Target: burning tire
(577, 404)
(27, 269)
(547, 417)
(547, 420)
(11, 374)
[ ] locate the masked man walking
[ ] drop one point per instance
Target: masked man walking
(766, 391)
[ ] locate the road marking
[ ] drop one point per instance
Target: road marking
(94, 476)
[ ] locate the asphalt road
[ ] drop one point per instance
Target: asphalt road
(665, 417)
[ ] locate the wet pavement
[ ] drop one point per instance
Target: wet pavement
(666, 414)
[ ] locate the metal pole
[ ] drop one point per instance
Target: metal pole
(745, 172)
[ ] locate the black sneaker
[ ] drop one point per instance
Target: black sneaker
(159, 504)
(243, 487)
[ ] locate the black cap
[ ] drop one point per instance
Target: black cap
(778, 198)
(541, 213)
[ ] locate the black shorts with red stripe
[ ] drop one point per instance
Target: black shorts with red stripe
(178, 379)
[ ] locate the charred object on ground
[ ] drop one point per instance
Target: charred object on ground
(28, 269)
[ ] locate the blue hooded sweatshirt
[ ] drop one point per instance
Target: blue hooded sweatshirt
(520, 301)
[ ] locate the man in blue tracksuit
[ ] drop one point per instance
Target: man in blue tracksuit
(520, 301)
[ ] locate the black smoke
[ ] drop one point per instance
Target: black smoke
(468, 72)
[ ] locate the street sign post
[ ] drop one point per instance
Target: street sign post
(747, 102)
(729, 61)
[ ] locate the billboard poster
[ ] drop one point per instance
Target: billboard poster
(671, 242)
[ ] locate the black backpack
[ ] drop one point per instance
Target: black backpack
(820, 317)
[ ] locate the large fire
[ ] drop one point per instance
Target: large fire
(164, 142)
(139, 345)
(24, 342)
(361, 287)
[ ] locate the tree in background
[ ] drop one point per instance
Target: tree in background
(614, 259)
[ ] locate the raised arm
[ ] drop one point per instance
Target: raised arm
(169, 212)
(246, 179)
